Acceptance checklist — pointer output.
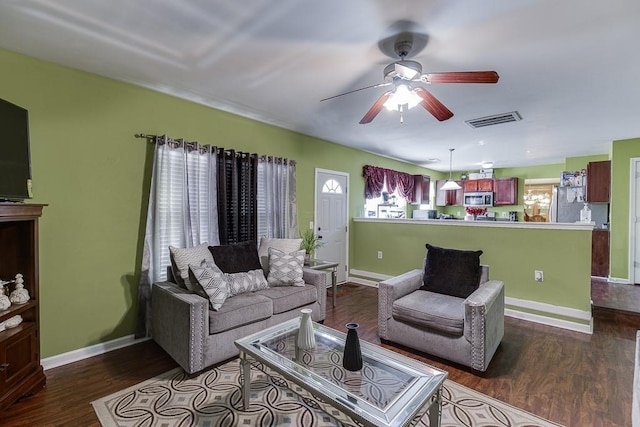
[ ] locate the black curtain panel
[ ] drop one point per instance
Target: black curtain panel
(237, 196)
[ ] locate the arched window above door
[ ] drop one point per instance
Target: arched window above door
(332, 186)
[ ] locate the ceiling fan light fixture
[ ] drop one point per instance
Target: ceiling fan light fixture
(451, 184)
(403, 95)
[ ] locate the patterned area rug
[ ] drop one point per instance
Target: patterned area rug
(214, 399)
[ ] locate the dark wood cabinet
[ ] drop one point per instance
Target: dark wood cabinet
(421, 183)
(599, 181)
(505, 191)
(600, 253)
(20, 369)
(449, 197)
(477, 185)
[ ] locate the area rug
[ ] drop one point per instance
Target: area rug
(214, 399)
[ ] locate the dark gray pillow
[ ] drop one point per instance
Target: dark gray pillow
(451, 271)
(238, 258)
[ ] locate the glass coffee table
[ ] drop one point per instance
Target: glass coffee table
(389, 390)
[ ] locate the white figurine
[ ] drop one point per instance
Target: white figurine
(4, 300)
(19, 295)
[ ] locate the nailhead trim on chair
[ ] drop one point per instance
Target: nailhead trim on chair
(477, 351)
(199, 355)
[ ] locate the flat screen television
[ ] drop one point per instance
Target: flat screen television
(15, 159)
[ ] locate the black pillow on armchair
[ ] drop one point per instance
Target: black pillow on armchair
(451, 271)
(237, 258)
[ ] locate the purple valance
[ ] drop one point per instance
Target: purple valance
(374, 178)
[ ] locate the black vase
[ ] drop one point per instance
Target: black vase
(352, 358)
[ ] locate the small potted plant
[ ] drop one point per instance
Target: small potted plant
(310, 242)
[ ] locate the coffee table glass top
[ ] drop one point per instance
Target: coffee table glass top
(390, 389)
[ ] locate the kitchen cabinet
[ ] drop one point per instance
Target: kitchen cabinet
(505, 191)
(421, 183)
(599, 181)
(600, 253)
(477, 185)
(20, 370)
(449, 197)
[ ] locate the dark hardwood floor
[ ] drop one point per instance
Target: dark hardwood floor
(571, 378)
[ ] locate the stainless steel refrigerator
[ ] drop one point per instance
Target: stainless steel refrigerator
(567, 202)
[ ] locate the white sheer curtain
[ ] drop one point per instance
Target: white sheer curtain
(277, 204)
(182, 212)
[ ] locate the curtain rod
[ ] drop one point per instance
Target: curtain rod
(152, 138)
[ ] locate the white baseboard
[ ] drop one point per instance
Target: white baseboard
(515, 303)
(618, 280)
(86, 352)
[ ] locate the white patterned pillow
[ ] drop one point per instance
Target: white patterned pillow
(182, 257)
(252, 280)
(284, 245)
(210, 282)
(285, 269)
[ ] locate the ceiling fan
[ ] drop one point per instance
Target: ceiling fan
(404, 95)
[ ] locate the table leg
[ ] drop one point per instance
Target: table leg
(435, 409)
(334, 286)
(246, 380)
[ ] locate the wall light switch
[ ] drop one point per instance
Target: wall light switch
(310, 225)
(379, 254)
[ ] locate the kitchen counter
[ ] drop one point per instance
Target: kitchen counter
(485, 224)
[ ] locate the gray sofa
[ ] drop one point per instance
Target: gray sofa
(197, 337)
(466, 331)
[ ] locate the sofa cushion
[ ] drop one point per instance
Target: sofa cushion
(182, 257)
(451, 271)
(285, 268)
(287, 298)
(284, 245)
(249, 281)
(210, 282)
(239, 311)
(237, 258)
(431, 310)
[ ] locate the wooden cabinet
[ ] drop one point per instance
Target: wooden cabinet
(20, 369)
(505, 191)
(599, 181)
(449, 197)
(600, 253)
(477, 185)
(422, 183)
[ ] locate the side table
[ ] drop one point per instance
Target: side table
(317, 264)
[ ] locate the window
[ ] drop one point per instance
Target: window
(332, 186)
(388, 205)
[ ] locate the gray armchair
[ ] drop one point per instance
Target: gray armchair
(466, 331)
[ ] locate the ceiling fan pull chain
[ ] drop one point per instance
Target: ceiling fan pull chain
(401, 109)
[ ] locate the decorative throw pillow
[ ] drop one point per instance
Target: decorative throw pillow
(285, 269)
(248, 281)
(451, 272)
(238, 258)
(182, 257)
(210, 282)
(284, 245)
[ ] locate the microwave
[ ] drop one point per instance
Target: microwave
(481, 200)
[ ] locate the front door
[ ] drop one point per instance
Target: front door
(331, 218)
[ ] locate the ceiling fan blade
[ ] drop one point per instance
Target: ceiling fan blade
(462, 77)
(375, 109)
(357, 90)
(432, 105)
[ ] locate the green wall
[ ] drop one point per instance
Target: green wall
(622, 153)
(94, 174)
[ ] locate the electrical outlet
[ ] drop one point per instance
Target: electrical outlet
(538, 275)
(379, 254)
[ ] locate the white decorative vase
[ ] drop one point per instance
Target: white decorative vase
(306, 338)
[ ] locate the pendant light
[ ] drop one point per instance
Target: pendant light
(450, 184)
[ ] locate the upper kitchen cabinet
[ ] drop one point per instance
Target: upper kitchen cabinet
(421, 183)
(477, 185)
(505, 191)
(448, 197)
(599, 181)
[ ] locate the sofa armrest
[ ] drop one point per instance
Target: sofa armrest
(317, 278)
(484, 322)
(180, 324)
(390, 290)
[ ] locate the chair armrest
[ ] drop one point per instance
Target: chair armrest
(180, 324)
(484, 322)
(390, 290)
(317, 278)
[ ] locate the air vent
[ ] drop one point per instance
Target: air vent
(498, 119)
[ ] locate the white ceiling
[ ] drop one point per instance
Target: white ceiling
(570, 68)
